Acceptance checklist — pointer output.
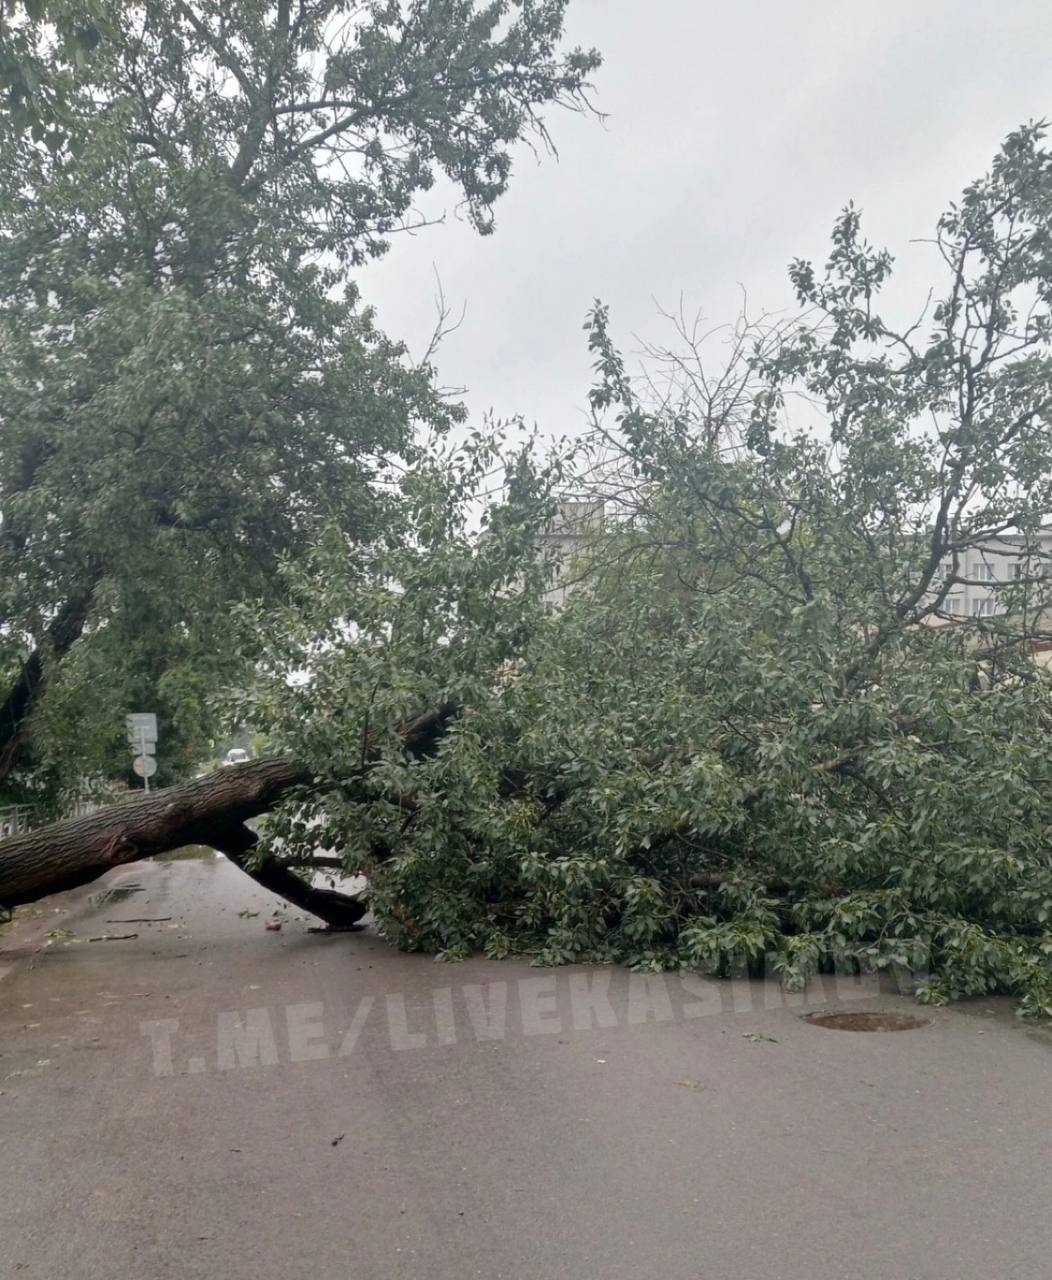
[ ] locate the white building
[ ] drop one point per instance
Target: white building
(983, 574)
(575, 522)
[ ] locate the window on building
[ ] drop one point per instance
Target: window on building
(983, 608)
(983, 572)
(952, 604)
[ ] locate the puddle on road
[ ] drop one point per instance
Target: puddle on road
(119, 893)
(189, 853)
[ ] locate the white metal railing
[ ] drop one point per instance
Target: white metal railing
(14, 820)
(83, 807)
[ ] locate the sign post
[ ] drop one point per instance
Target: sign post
(142, 738)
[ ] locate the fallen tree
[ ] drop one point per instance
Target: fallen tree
(212, 811)
(790, 718)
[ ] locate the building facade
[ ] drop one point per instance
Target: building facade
(983, 574)
(576, 521)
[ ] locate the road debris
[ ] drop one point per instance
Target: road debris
(142, 920)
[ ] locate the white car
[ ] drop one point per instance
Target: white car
(236, 755)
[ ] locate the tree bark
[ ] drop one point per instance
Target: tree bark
(337, 909)
(28, 686)
(211, 811)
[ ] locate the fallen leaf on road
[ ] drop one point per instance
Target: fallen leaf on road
(757, 1036)
(691, 1084)
(273, 925)
(60, 935)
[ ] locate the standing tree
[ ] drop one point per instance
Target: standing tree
(190, 389)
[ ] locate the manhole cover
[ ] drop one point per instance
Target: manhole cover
(872, 1020)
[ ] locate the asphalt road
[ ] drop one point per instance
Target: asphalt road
(211, 1098)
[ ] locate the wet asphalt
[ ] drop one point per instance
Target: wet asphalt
(215, 1098)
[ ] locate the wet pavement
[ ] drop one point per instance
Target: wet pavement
(211, 1097)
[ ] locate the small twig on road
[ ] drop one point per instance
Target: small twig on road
(114, 937)
(142, 920)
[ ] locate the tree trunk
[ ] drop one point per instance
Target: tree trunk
(28, 686)
(210, 811)
(336, 909)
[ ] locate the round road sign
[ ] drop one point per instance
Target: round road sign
(144, 766)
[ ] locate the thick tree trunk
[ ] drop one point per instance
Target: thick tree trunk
(210, 811)
(28, 686)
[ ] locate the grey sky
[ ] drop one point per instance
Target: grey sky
(737, 130)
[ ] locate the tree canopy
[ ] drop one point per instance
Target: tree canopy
(192, 389)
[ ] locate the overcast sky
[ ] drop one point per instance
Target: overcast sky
(737, 129)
